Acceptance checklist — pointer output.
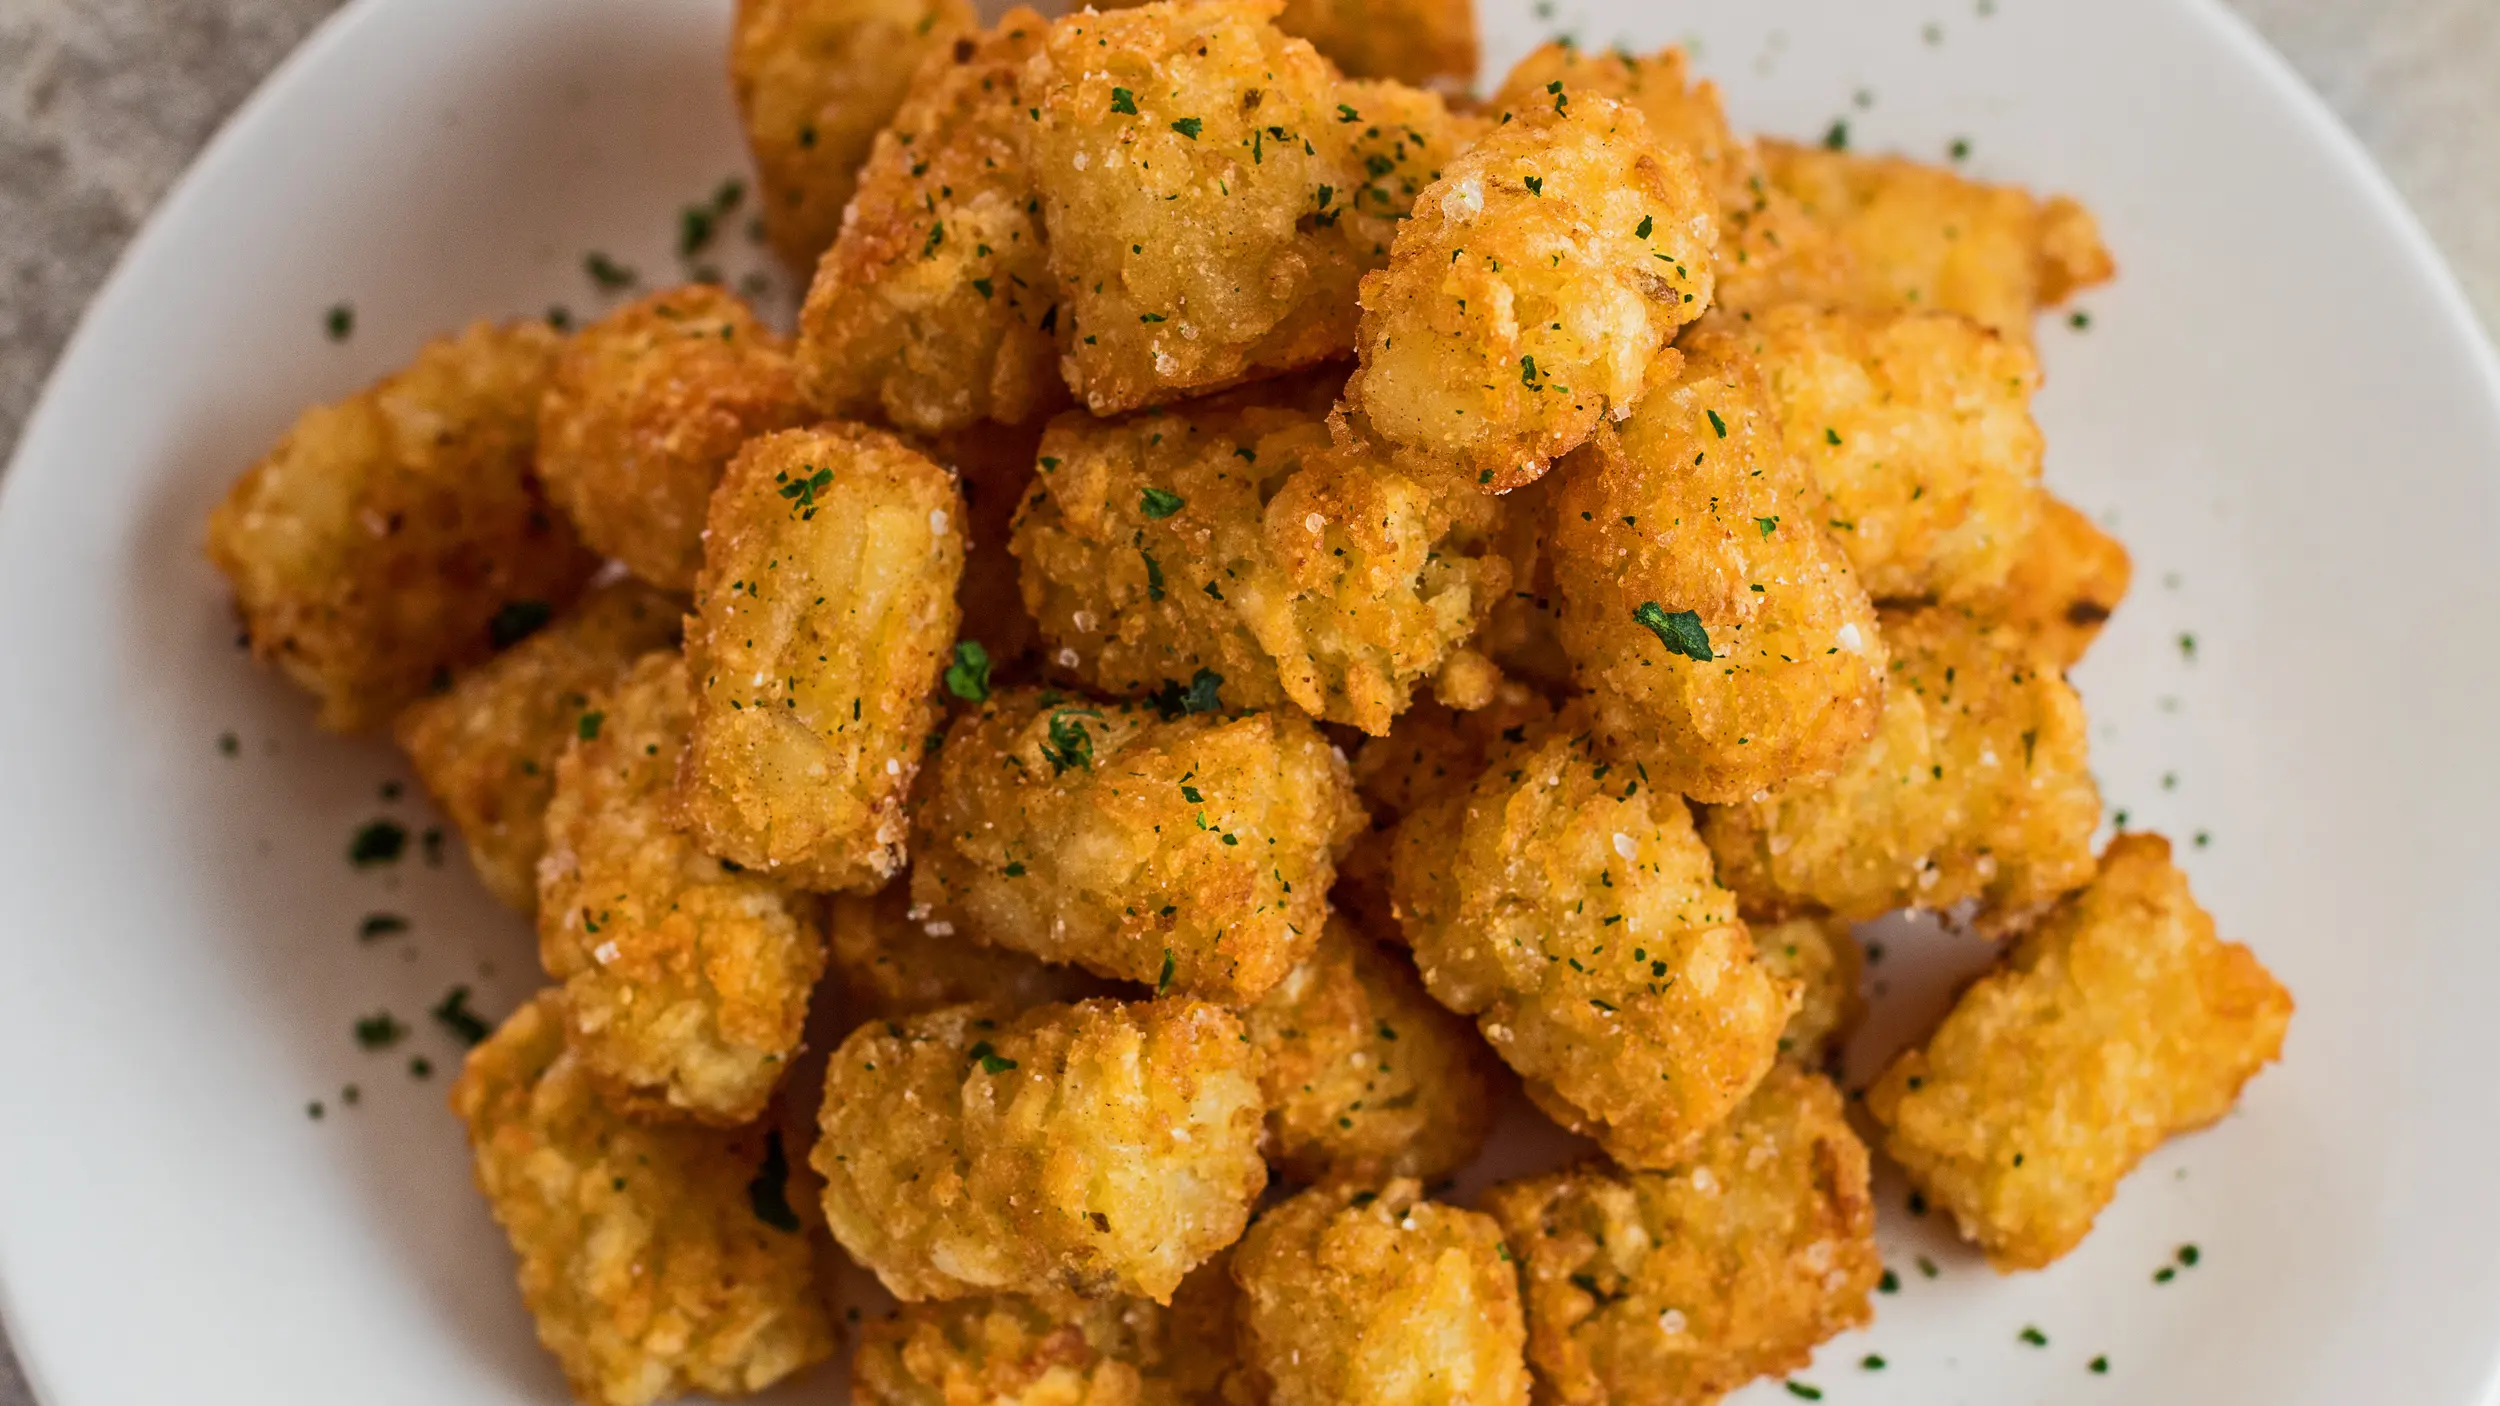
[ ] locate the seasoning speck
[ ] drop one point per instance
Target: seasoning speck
(380, 1031)
(377, 842)
(340, 322)
(454, 1015)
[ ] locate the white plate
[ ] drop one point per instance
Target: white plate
(2283, 407)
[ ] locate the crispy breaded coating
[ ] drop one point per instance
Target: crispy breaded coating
(1823, 957)
(1673, 1288)
(1212, 191)
(645, 409)
(824, 614)
(1726, 640)
(1430, 751)
(815, 81)
(1535, 283)
(934, 308)
(2068, 578)
(2118, 1022)
(1055, 1349)
(1682, 111)
(686, 979)
(1523, 634)
(399, 534)
(657, 1260)
(487, 747)
(1413, 41)
(1921, 238)
(1567, 904)
(1190, 853)
(1357, 1297)
(1917, 427)
(1236, 536)
(1977, 786)
(1099, 1148)
(889, 966)
(1367, 1076)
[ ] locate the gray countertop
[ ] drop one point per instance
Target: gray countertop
(103, 102)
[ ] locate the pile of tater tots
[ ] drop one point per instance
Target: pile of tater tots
(1264, 605)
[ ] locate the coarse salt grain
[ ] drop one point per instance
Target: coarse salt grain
(1671, 1321)
(937, 521)
(1624, 845)
(1851, 640)
(1463, 201)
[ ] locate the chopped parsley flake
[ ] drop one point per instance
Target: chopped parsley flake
(1768, 525)
(340, 323)
(968, 678)
(990, 1060)
(1680, 630)
(1716, 424)
(379, 1031)
(380, 925)
(1203, 695)
(1160, 503)
(454, 1015)
(1070, 745)
(2031, 1336)
(1122, 100)
(378, 842)
(1189, 127)
(587, 726)
(607, 272)
(1163, 983)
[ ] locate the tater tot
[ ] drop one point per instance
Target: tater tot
(1055, 1349)
(1676, 1287)
(2118, 1022)
(1724, 637)
(1919, 237)
(1190, 853)
(2068, 578)
(1567, 904)
(1976, 788)
(1918, 429)
(1823, 957)
(815, 81)
(1526, 298)
(657, 1261)
(1431, 750)
(1366, 1075)
(1356, 1297)
(1207, 208)
(401, 533)
(486, 749)
(1236, 536)
(823, 617)
(645, 409)
(1099, 1148)
(686, 979)
(1681, 110)
(889, 966)
(935, 308)
(1413, 41)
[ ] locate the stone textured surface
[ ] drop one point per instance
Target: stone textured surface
(102, 103)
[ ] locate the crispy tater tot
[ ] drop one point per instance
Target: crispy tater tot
(1681, 111)
(1918, 428)
(1236, 536)
(657, 1261)
(1676, 1287)
(1976, 787)
(2068, 578)
(1566, 903)
(1531, 290)
(1212, 192)
(935, 306)
(1357, 1297)
(815, 81)
(643, 413)
(1919, 237)
(487, 748)
(1822, 956)
(1097, 1148)
(2118, 1022)
(823, 616)
(1055, 1349)
(1431, 750)
(686, 980)
(1366, 1076)
(1192, 853)
(399, 534)
(889, 966)
(1720, 629)
(1427, 42)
